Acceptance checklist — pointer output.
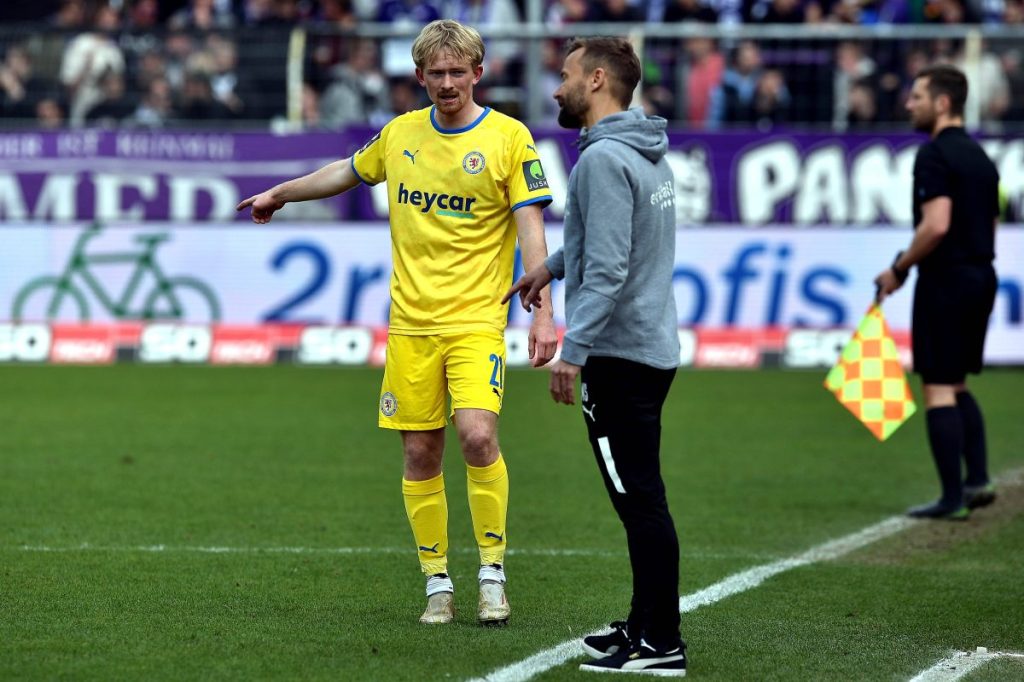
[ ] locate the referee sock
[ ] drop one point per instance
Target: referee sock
(427, 509)
(488, 504)
(975, 448)
(946, 436)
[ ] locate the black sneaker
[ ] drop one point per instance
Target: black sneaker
(602, 646)
(979, 496)
(641, 658)
(938, 510)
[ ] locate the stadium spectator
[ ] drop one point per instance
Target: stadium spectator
(142, 15)
(50, 113)
(202, 15)
(19, 87)
(862, 106)
(157, 106)
(358, 88)
(178, 47)
(562, 12)
(198, 102)
(395, 52)
(621, 334)
(445, 334)
(615, 10)
(749, 93)
(405, 96)
(223, 71)
(689, 10)
(87, 58)
(337, 14)
(705, 67)
(116, 104)
(989, 92)
(775, 12)
(149, 66)
(956, 206)
(328, 41)
(1013, 65)
(852, 66)
(501, 57)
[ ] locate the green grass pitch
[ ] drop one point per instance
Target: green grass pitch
(100, 466)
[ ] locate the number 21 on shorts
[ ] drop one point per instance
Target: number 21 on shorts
(498, 371)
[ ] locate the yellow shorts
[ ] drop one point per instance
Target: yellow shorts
(421, 371)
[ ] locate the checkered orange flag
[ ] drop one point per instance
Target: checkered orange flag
(869, 380)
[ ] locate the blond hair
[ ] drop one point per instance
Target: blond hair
(448, 36)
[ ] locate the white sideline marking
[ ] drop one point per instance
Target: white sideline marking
(734, 584)
(193, 549)
(173, 549)
(961, 664)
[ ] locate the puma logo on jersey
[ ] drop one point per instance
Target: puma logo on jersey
(411, 155)
(590, 412)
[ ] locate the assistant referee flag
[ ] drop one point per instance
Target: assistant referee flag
(869, 380)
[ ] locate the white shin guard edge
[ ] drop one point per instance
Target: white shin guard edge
(493, 573)
(437, 584)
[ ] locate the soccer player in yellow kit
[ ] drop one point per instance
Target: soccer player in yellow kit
(463, 182)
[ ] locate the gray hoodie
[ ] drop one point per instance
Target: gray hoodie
(620, 245)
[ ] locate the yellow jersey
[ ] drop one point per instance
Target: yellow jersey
(451, 194)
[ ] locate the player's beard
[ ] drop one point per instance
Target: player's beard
(572, 108)
(923, 121)
(452, 107)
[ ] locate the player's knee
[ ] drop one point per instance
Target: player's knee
(480, 447)
(422, 456)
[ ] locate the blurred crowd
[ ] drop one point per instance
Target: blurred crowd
(159, 63)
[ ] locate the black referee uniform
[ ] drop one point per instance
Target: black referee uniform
(953, 298)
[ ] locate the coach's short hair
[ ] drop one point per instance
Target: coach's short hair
(617, 57)
(947, 80)
(448, 35)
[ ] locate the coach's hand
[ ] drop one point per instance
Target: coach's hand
(529, 287)
(543, 340)
(263, 206)
(563, 382)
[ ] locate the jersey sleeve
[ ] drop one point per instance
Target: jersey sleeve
(931, 174)
(527, 184)
(368, 162)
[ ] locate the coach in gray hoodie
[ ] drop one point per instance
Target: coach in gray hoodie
(621, 332)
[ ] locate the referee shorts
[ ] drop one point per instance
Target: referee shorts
(950, 319)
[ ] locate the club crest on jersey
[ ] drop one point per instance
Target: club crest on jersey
(473, 163)
(388, 404)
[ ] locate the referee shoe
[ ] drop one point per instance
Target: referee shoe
(938, 510)
(976, 496)
(643, 659)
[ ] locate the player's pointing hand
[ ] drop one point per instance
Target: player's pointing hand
(263, 206)
(529, 287)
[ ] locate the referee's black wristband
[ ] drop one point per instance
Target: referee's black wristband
(900, 273)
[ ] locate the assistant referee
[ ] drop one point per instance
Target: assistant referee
(956, 204)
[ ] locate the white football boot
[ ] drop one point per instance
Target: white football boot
(440, 600)
(493, 608)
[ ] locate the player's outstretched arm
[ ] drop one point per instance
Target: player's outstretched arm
(334, 178)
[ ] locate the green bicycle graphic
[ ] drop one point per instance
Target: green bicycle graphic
(63, 297)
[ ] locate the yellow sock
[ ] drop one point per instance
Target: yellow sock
(488, 504)
(427, 509)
